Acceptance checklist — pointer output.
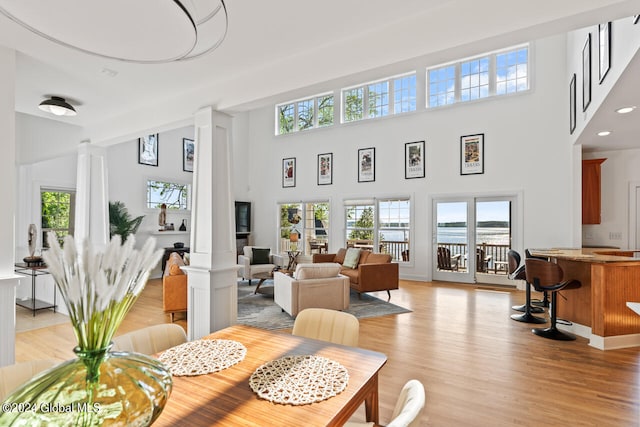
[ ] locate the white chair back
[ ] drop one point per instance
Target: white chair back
(327, 325)
(150, 340)
(409, 405)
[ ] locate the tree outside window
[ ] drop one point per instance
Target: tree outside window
(57, 213)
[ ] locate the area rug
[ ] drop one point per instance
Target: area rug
(260, 310)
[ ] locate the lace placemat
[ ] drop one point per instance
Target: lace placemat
(299, 380)
(201, 357)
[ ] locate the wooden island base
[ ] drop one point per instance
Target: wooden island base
(598, 309)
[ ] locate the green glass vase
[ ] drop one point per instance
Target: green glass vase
(98, 388)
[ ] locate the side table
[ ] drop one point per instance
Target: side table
(33, 303)
(293, 259)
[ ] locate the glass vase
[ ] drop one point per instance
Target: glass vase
(98, 388)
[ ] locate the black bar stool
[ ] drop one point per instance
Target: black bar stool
(547, 276)
(517, 272)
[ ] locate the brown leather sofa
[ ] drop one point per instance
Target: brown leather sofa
(374, 272)
(174, 286)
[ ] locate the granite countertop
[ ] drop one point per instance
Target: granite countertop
(588, 254)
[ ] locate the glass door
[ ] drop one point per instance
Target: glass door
(471, 239)
(451, 240)
(493, 239)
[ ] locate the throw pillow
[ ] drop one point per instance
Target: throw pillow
(260, 256)
(351, 258)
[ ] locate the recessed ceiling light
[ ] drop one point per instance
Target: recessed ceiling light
(625, 110)
(604, 133)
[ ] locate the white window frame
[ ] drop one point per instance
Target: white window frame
(391, 91)
(377, 228)
(296, 113)
(71, 229)
(303, 228)
(149, 208)
(492, 75)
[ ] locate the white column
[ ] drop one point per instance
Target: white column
(92, 196)
(212, 284)
(8, 279)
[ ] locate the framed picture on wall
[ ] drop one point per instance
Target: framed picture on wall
(289, 172)
(586, 73)
(366, 165)
(325, 169)
(604, 49)
(572, 104)
(148, 150)
(414, 160)
(188, 152)
(472, 154)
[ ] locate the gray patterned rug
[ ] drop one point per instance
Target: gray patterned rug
(260, 310)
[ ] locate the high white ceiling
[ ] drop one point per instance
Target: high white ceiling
(276, 50)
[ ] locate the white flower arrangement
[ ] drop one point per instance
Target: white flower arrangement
(99, 288)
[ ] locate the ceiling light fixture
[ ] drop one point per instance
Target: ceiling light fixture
(58, 106)
(144, 31)
(604, 133)
(625, 110)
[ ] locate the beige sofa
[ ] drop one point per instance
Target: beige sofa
(312, 286)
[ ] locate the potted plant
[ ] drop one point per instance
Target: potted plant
(120, 221)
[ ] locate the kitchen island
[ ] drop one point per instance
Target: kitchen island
(598, 309)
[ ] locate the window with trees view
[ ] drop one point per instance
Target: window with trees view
(378, 99)
(491, 74)
(309, 221)
(382, 225)
(57, 213)
(305, 114)
(173, 195)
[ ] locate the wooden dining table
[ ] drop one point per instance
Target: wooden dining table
(225, 398)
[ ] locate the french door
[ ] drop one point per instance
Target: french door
(471, 238)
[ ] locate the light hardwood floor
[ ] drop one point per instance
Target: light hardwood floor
(479, 367)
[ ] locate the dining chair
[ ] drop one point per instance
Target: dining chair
(327, 325)
(150, 340)
(408, 407)
(13, 376)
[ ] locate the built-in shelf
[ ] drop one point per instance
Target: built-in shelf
(162, 233)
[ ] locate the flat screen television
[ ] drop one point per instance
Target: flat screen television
(243, 217)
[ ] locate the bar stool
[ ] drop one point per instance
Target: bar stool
(547, 276)
(544, 302)
(518, 272)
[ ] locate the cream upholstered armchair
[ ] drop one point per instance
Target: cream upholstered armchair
(255, 260)
(317, 285)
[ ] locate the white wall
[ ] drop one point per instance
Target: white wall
(618, 171)
(625, 39)
(58, 173)
(41, 139)
(128, 180)
(527, 150)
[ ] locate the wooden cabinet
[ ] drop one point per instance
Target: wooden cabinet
(591, 184)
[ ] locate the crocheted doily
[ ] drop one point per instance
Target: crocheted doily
(201, 357)
(299, 380)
